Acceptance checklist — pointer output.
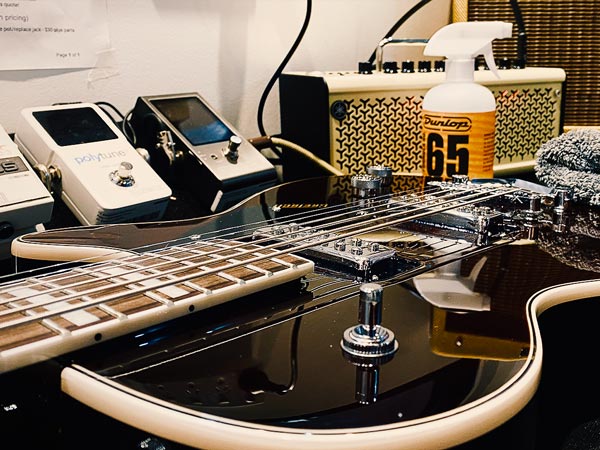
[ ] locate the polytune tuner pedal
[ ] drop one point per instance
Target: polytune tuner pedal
(103, 178)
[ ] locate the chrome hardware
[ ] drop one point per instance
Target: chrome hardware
(460, 179)
(167, 145)
(368, 345)
(562, 201)
(365, 185)
(361, 259)
(369, 339)
(50, 176)
(383, 172)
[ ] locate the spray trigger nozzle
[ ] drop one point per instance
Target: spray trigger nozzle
(489, 59)
(461, 42)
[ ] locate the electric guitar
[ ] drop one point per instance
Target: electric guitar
(330, 313)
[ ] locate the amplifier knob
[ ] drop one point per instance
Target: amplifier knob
(365, 68)
(390, 67)
(424, 66)
(439, 65)
(408, 66)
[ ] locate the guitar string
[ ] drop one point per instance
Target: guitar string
(78, 294)
(207, 244)
(384, 201)
(336, 295)
(226, 232)
(229, 231)
(319, 301)
(220, 269)
(87, 304)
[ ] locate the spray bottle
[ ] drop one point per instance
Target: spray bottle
(459, 115)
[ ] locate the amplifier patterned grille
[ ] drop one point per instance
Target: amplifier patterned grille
(525, 119)
(560, 33)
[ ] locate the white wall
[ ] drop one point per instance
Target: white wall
(226, 50)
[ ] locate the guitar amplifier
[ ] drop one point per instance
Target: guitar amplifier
(559, 33)
(354, 120)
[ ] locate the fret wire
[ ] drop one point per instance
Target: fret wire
(197, 287)
(111, 311)
(262, 257)
(40, 281)
(209, 244)
(55, 327)
(57, 311)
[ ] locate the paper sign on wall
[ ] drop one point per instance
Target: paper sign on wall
(52, 34)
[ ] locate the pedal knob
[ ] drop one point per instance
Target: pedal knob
(231, 152)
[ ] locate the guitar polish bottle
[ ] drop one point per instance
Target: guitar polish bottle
(459, 115)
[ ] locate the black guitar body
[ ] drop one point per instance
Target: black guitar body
(269, 369)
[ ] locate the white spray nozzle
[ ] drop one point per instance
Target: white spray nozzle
(467, 40)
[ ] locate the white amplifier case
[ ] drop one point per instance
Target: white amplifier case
(353, 120)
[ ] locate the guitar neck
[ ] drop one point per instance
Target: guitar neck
(43, 317)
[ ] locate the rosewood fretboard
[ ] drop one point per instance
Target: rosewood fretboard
(42, 317)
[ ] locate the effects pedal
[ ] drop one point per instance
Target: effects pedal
(103, 179)
(190, 144)
(24, 200)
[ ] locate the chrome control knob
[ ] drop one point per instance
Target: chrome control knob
(365, 185)
(369, 339)
(384, 172)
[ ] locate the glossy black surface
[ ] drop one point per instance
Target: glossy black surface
(275, 357)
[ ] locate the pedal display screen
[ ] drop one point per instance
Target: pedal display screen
(193, 119)
(74, 126)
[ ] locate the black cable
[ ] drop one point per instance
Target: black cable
(124, 124)
(263, 99)
(522, 37)
(111, 106)
(399, 23)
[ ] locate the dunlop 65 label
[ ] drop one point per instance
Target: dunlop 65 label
(458, 144)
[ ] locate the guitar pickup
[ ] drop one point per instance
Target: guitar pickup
(476, 224)
(350, 257)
